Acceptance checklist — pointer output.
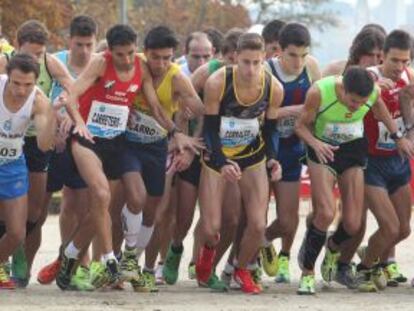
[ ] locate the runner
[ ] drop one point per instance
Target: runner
(237, 99)
(331, 125)
(20, 102)
(270, 34)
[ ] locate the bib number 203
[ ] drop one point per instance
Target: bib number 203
(8, 152)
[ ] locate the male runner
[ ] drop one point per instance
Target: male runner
(270, 34)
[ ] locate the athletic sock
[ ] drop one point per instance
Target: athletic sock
(284, 254)
(71, 251)
(340, 235)
(131, 226)
(144, 236)
(314, 241)
(108, 256)
(177, 249)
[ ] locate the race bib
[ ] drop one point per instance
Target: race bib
(10, 149)
(339, 133)
(384, 141)
(286, 127)
(236, 132)
(107, 120)
(144, 129)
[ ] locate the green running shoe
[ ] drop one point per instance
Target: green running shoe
(379, 277)
(215, 284)
(283, 274)
(191, 271)
(66, 270)
(19, 268)
(171, 266)
(365, 282)
(81, 280)
(394, 276)
(145, 283)
(269, 260)
(329, 265)
(129, 265)
(306, 285)
(97, 273)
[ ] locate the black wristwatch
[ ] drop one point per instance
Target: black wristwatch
(173, 131)
(397, 135)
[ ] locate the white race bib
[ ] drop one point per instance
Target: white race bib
(286, 127)
(10, 149)
(107, 120)
(384, 141)
(235, 132)
(339, 133)
(144, 129)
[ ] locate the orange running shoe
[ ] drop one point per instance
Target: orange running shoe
(48, 273)
(204, 265)
(244, 278)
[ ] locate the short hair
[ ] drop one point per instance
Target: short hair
(32, 31)
(376, 27)
(250, 41)
(82, 26)
(160, 37)
(121, 34)
(26, 63)
(195, 36)
(363, 43)
(216, 38)
(230, 40)
(358, 80)
(271, 31)
(398, 39)
(294, 34)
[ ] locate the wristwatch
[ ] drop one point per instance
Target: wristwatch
(397, 135)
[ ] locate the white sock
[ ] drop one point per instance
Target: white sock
(109, 256)
(391, 259)
(252, 266)
(131, 225)
(71, 251)
(144, 236)
(228, 268)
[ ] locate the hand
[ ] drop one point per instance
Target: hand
(385, 84)
(295, 110)
(231, 171)
(324, 151)
(65, 125)
(182, 141)
(276, 170)
(407, 93)
(405, 147)
(82, 131)
(183, 160)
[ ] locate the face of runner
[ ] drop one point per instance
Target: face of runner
(82, 48)
(372, 58)
(293, 58)
(34, 49)
(249, 63)
(395, 62)
(199, 53)
(230, 58)
(354, 101)
(21, 84)
(159, 60)
(124, 56)
(272, 49)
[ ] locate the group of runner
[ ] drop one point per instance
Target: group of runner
(134, 140)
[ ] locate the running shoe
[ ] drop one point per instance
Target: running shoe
(192, 275)
(226, 278)
(394, 276)
(171, 266)
(113, 273)
(48, 273)
(379, 277)
(19, 268)
(244, 278)
(365, 282)
(269, 260)
(306, 285)
(204, 266)
(146, 283)
(329, 265)
(5, 281)
(345, 275)
(257, 274)
(97, 273)
(129, 265)
(283, 274)
(67, 268)
(81, 280)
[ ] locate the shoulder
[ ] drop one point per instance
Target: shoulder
(334, 68)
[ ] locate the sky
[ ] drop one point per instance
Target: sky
(373, 2)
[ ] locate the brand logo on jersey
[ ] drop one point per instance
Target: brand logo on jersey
(301, 81)
(133, 88)
(102, 108)
(7, 125)
(109, 84)
(348, 115)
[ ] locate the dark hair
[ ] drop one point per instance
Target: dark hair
(82, 26)
(250, 41)
(374, 26)
(358, 80)
(294, 34)
(230, 40)
(271, 31)
(398, 39)
(32, 31)
(195, 36)
(363, 43)
(121, 34)
(160, 37)
(23, 62)
(216, 37)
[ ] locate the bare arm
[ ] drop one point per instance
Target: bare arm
(3, 64)
(45, 122)
(334, 69)
(187, 95)
(199, 77)
(59, 72)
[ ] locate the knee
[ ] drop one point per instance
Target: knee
(101, 194)
(352, 227)
(256, 228)
(391, 230)
(211, 230)
(324, 216)
(16, 235)
(136, 201)
(405, 232)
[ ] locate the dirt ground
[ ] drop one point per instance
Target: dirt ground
(187, 296)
